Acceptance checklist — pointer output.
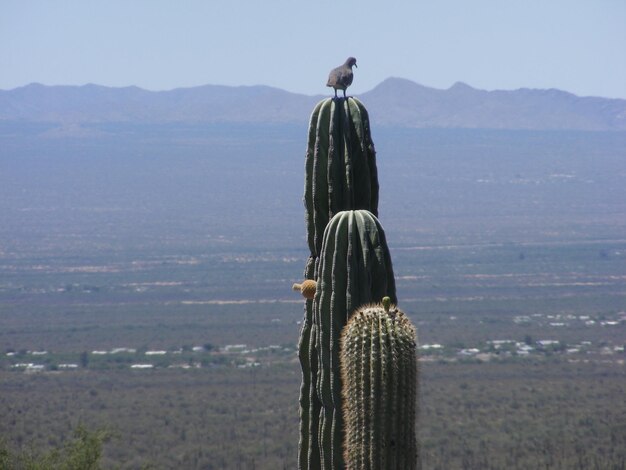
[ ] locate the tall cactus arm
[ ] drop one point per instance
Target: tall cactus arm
(354, 268)
(340, 165)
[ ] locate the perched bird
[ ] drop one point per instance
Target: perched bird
(340, 78)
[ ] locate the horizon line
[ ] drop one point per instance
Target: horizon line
(166, 90)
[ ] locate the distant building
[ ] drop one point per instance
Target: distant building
(123, 350)
(469, 352)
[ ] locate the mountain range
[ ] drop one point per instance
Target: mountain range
(395, 102)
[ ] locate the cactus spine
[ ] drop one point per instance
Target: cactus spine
(379, 373)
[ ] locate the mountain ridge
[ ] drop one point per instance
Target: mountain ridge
(395, 102)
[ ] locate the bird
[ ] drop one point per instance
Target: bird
(340, 77)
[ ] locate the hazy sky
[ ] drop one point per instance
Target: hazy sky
(574, 45)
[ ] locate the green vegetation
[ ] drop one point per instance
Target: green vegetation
(518, 415)
(82, 452)
(349, 262)
(555, 415)
(340, 165)
(354, 268)
(340, 174)
(379, 377)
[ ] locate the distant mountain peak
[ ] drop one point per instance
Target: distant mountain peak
(397, 83)
(402, 103)
(461, 86)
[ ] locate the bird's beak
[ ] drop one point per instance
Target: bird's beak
(356, 65)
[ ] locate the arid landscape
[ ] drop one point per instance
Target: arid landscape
(145, 288)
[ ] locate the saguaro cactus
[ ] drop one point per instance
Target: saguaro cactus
(351, 266)
(354, 268)
(340, 165)
(340, 174)
(379, 373)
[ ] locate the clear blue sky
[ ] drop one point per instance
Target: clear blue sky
(574, 45)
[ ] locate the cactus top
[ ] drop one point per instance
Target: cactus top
(341, 77)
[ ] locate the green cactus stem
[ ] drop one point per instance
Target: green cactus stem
(340, 174)
(310, 405)
(379, 375)
(354, 268)
(340, 165)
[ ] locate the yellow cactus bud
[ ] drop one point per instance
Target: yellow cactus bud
(307, 288)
